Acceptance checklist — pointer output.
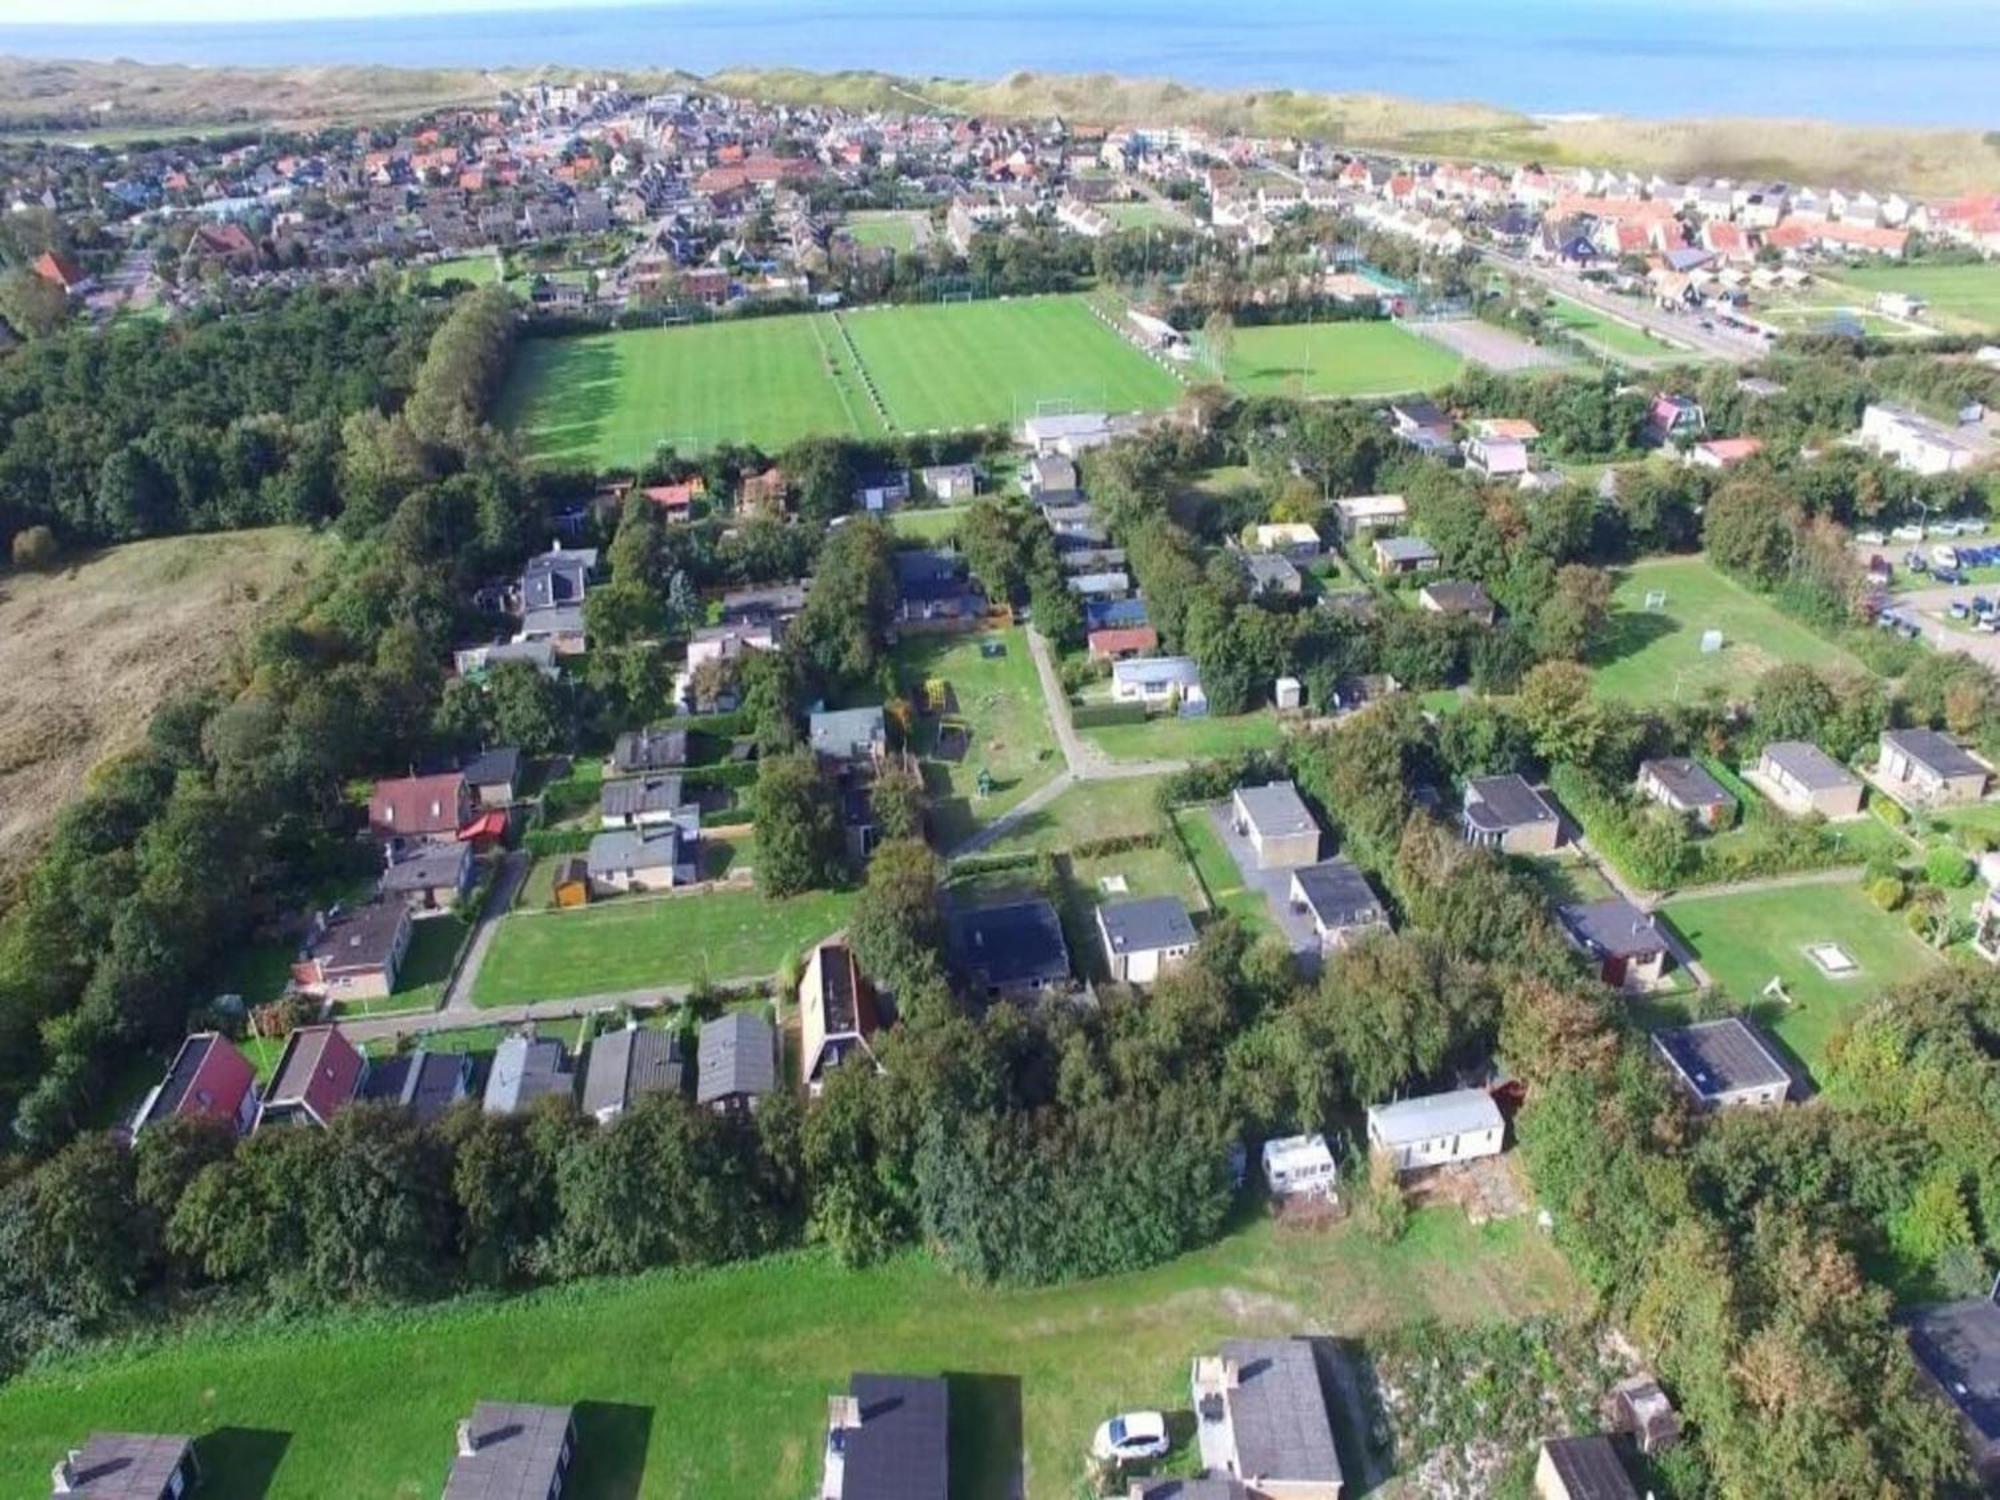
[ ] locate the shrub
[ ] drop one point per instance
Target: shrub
(1887, 892)
(36, 548)
(1949, 868)
(1888, 811)
(1100, 715)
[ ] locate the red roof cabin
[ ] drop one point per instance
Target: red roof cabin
(319, 1075)
(677, 500)
(61, 270)
(208, 1080)
(1116, 643)
(420, 806)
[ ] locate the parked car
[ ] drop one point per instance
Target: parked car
(1908, 533)
(1135, 1435)
(1958, 609)
(1870, 538)
(1944, 528)
(1944, 557)
(1949, 576)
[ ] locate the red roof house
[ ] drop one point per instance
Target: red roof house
(1118, 642)
(318, 1076)
(677, 500)
(1725, 453)
(208, 1080)
(420, 806)
(61, 270)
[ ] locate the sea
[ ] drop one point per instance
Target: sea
(1910, 62)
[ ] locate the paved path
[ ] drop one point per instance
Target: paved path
(1086, 761)
(1027, 807)
(499, 901)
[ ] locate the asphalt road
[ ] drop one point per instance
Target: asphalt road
(1718, 343)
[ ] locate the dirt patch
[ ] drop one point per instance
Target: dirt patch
(89, 651)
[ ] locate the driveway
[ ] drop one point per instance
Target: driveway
(499, 901)
(1086, 761)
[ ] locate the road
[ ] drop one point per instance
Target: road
(419, 1022)
(1717, 343)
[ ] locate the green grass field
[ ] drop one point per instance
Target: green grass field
(1336, 359)
(1217, 872)
(1607, 333)
(999, 701)
(1086, 812)
(927, 524)
(480, 270)
(711, 1385)
(633, 943)
(1144, 214)
(987, 364)
(895, 230)
(1745, 940)
(1654, 656)
(1962, 298)
(1176, 738)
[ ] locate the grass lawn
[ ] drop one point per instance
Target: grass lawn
(927, 524)
(434, 944)
(987, 364)
(1176, 738)
(1964, 298)
(633, 943)
(1220, 880)
(480, 270)
(1744, 940)
(1606, 332)
(609, 399)
(1336, 359)
(715, 1384)
(1086, 812)
(1567, 880)
(998, 700)
(887, 227)
(1144, 214)
(1654, 656)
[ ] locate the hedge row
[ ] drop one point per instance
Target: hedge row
(1100, 715)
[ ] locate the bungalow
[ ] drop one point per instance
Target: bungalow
(319, 1074)
(1465, 601)
(627, 1063)
(950, 483)
(1013, 950)
(1112, 584)
(762, 494)
(1913, 442)
(1270, 573)
(1505, 813)
(838, 1015)
(1052, 481)
(646, 802)
(1802, 778)
(676, 501)
(1685, 786)
(643, 751)
(59, 270)
(1278, 826)
(1499, 446)
(848, 736)
(420, 806)
(888, 1438)
(1724, 453)
(1957, 1346)
(526, 1068)
(127, 1466)
(428, 877)
(1437, 1130)
(1158, 681)
(354, 954)
(1424, 424)
(1671, 418)
(209, 1079)
(774, 605)
(1113, 614)
(1144, 939)
(493, 777)
(1295, 540)
(1261, 1419)
(1581, 1468)
(630, 860)
(1624, 943)
(936, 587)
(1404, 554)
(1360, 514)
(1066, 434)
(1300, 1167)
(1723, 1064)
(1337, 898)
(736, 1058)
(1118, 644)
(506, 1449)
(425, 1083)
(1928, 769)
(560, 629)
(477, 661)
(885, 491)
(557, 578)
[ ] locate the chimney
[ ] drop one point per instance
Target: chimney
(1232, 1375)
(62, 1478)
(467, 1443)
(843, 1413)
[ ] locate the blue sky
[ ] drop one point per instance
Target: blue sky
(152, 12)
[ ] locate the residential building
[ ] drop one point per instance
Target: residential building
(936, 588)
(493, 777)
(1123, 643)
(1581, 1468)
(624, 1064)
(1260, 1418)
(1281, 830)
(318, 1075)
(1802, 778)
(1724, 453)
(1052, 480)
(424, 1082)
(1362, 514)
(420, 806)
(1342, 905)
(1145, 938)
(949, 484)
(1957, 1346)
(1465, 601)
(638, 752)
(1505, 813)
(1272, 573)
(507, 1451)
(557, 578)
(736, 1061)
(1624, 943)
(476, 661)
(630, 860)
(646, 803)
(428, 878)
(1066, 434)
(1424, 424)
(1924, 768)
(127, 1466)
(1437, 1130)
(838, 1014)
(1114, 614)
(1685, 786)
(525, 1068)
(1159, 682)
(209, 1079)
(848, 736)
(1011, 950)
(883, 491)
(1294, 539)
(354, 954)
(1498, 447)
(888, 1438)
(1300, 1168)
(773, 606)
(560, 630)
(1396, 555)
(1915, 442)
(1723, 1064)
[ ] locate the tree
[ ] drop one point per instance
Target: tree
(35, 548)
(1561, 710)
(798, 830)
(770, 692)
(1393, 1010)
(853, 595)
(898, 801)
(36, 306)
(1750, 529)
(898, 918)
(1792, 702)
(1570, 621)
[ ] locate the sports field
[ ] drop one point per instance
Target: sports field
(1607, 333)
(1336, 359)
(1962, 298)
(885, 227)
(609, 400)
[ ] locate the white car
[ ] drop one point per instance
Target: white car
(1135, 1435)
(1870, 538)
(1908, 533)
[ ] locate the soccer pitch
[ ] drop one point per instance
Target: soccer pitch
(1336, 359)
(608, 400)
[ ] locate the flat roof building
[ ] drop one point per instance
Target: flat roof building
(1724, 1064)
(509, 1451)
(127, 1466)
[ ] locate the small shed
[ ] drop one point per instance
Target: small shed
(1300, 1167)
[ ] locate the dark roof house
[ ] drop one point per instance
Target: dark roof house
(889, 1438)
(642, 750)
(424, 1082)
(627, 1063)
(525, 1068)
(736, 1060)
(1957, 1344)
(127, 1466)
(1014, 947)
(1582, 1468)
(1723, 1064)
(319, 1074)
(508, 1451)
(1259, 1403)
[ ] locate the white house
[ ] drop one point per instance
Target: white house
(1156, 680)
(1913, 442)
(1436, 1130)
(1360, 514)
(1300, 1167)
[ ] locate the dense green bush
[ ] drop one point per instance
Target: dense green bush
(1102, 715)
